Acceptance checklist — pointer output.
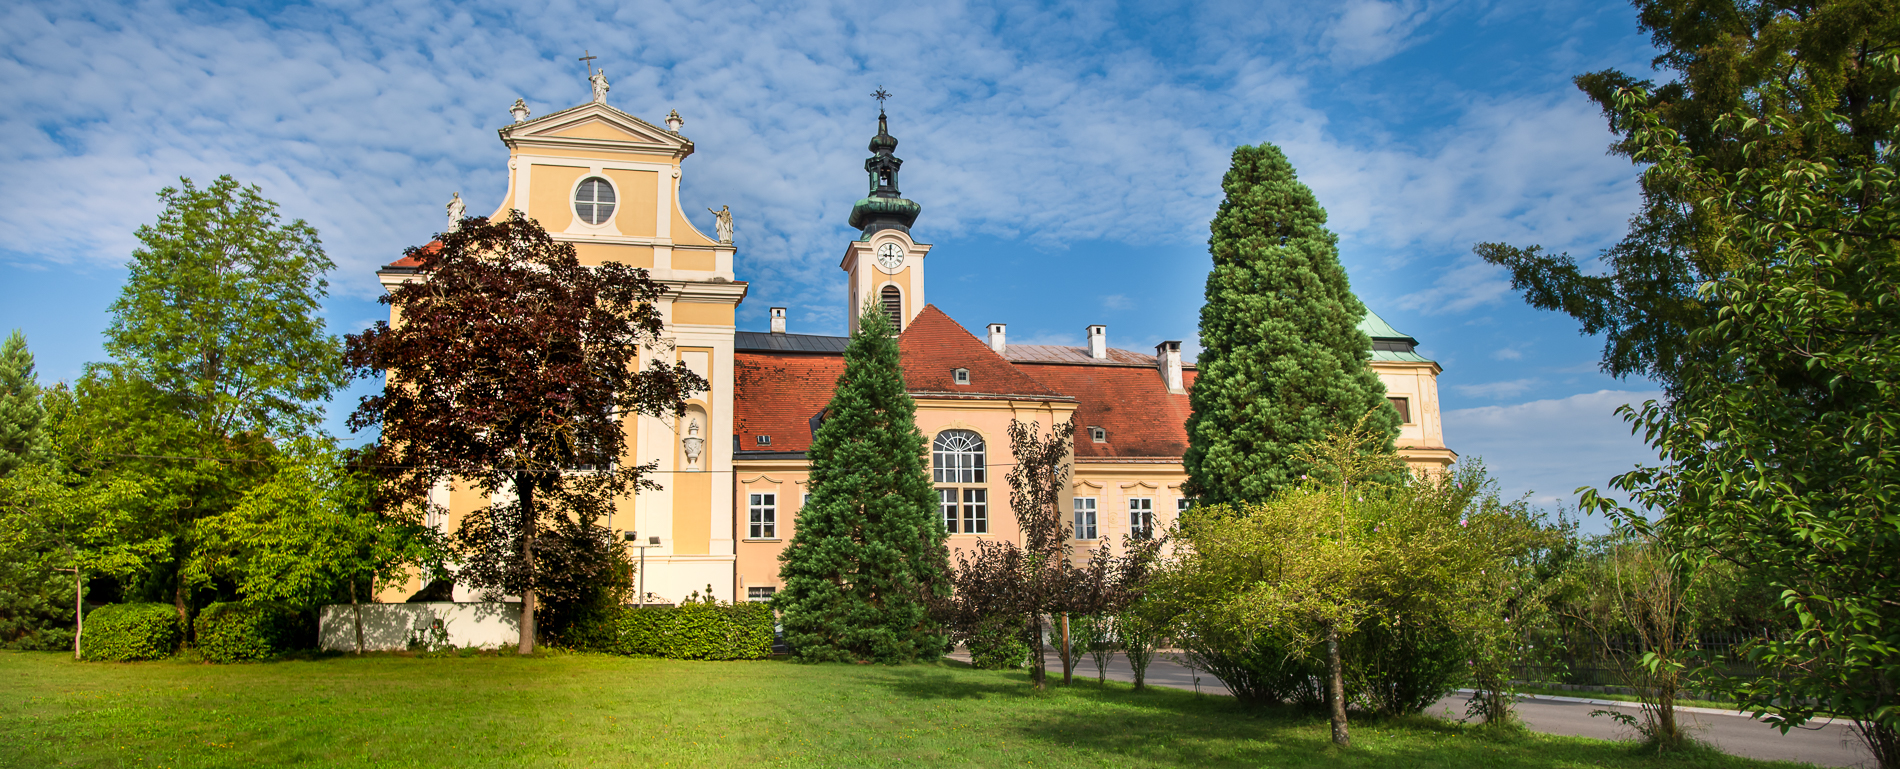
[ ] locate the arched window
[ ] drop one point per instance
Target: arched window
(957, 466)
(594, 200)
(893, 301)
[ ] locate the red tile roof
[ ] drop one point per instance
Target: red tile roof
(934, 346)
(409, 261)
(777, 393)
(1132, 404)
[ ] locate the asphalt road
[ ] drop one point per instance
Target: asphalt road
(1830, 744)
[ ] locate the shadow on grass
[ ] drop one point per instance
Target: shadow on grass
(1165, 727)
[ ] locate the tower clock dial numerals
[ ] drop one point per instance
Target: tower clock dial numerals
(890, 257)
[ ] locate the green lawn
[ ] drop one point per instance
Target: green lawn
(584, 710)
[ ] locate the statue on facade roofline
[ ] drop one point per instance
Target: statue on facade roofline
(599, 79)
(724, 223)
(456, 211)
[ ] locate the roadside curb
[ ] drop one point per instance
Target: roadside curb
(1622, 704)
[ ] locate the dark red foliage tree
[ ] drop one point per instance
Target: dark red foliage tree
(512, 367)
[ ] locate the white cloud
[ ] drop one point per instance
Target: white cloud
(1551, 447)
(1507, 353)
(1369, 31)
(1507, 389)
(1117, 302)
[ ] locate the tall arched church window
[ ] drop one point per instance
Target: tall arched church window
(594, 200)
(958, 469)
(893, 301)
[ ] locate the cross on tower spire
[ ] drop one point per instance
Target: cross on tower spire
(588, 60)
(880, 96)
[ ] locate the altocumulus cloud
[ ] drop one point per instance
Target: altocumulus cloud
(1046, 125)
(1551, 447)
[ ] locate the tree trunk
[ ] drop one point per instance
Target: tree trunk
(524, 494)
(1068, 652)
(357, 610)
(79, 610)
(1037, 669)
(1336, 688)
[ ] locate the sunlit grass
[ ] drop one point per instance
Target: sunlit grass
(585, 710)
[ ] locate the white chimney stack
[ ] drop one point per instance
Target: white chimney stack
(1168, 360)
(1098, 342)
(778, 323)
(997, 342)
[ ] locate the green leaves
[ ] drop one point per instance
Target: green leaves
(1283, 358)
(867, 554)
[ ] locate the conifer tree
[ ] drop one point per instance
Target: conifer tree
(1283, 359)
(867, 556)
(22, 416)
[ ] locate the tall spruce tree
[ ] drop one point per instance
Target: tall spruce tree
(22, 416)
(1283, 359)
(867, 556)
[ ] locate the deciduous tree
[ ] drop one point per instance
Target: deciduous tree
(512, 368)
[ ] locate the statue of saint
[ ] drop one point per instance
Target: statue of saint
(724, 223)
(456, 211)
(599, 79)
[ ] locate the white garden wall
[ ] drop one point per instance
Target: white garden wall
(391, 626)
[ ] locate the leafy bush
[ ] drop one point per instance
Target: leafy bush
(998, 644)
(690, 631)
(1263, 673)
(131, 631)
(1403, 670)
(235, 632)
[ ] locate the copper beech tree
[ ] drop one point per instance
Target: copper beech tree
(511, 368)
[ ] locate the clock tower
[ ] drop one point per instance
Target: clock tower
(886, 267)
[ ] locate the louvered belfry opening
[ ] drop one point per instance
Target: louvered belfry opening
(893, 306)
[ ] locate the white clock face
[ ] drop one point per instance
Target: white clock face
(890, 256)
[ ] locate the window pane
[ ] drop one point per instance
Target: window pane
(976, 511)
(948, 499)
(1404, 407)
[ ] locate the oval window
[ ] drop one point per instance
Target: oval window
(594, 200)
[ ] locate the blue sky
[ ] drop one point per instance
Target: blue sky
(1067, 157)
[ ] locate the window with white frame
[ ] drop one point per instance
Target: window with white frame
(1181, 505)
(759, 594)
(1141, 517)
(957, 467)
(594, 200)
(1085, 518)
(762, 512)
(960, 375)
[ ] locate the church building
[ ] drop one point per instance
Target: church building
(608, 183)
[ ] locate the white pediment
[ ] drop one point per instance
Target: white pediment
(596, 126)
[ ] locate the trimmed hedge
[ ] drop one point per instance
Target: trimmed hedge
(694, 631)
(123, 632)
(235, 632)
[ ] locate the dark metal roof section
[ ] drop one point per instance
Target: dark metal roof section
(761, 341)
(884, 208)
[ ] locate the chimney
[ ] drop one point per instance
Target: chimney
(1098, 342)
(996, 338)
(1168, 359)
(778, 323)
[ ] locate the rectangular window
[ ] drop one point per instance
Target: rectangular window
(764, 516)
(805, 501)
(976, 511)
(1404, 407)
(948, 499)
(1181, 505)
(1085, 518)
(1141, 518)
(759, 594)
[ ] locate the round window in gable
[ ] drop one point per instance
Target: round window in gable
(594, 200)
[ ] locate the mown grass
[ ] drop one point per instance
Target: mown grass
(585, 710)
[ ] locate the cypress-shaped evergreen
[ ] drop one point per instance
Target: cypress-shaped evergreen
(1282, 355)
(867, 553)
(22, 415)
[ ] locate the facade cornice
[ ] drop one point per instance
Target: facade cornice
(539, 133)
(733, 292)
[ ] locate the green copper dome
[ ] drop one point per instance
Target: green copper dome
(874, 209)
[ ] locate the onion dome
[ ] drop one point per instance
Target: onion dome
(885, 207)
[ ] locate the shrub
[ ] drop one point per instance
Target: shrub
(1403, 670)
(692, 631)
(998, 644)
(1267, 672)
(235, 632)
(131, 631)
